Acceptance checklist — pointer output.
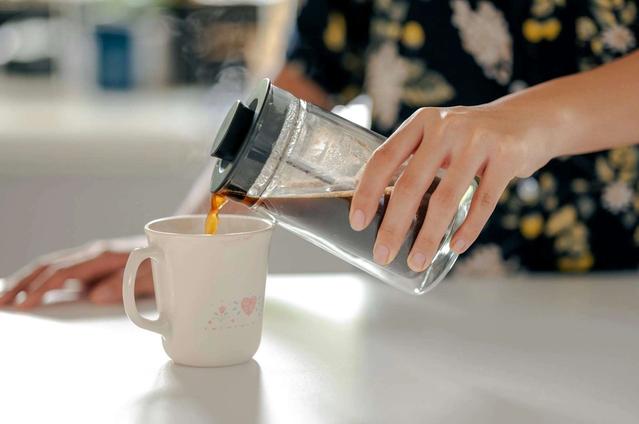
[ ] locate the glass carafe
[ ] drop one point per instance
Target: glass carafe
(300, 164)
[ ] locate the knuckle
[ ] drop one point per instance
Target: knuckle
(408, 186)
(425, 112)
(479, 140)
(453, 123)
(442, 198)
(486, 200)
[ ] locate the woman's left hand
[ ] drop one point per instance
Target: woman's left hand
(497, 142)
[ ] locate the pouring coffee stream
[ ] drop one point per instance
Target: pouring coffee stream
(299, 164)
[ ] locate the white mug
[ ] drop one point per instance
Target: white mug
(209, 289)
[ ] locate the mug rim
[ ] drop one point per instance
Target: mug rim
(269, 224)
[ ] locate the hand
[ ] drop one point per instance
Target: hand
(100, 278)
(497, 142)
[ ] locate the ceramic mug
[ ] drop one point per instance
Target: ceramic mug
(209, 289)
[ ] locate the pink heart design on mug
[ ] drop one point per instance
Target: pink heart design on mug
(222, 309)
(248, 304)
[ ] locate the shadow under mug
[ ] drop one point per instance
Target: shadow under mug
(209, 289)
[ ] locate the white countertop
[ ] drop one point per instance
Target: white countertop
(342, 348)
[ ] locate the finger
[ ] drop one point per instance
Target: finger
(9, 296)
(441, 208)
(109, 290)
(492, 185)
(406, 197)
(381, 167)
(101, 265)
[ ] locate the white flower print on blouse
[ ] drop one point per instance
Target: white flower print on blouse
(616, 196)
(484, 34)
(386, 74)
(484, 261)
(618, 39)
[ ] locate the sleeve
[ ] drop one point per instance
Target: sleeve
(605, 30)
(328, 44)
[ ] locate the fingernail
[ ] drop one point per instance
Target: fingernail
(380, 254)
(458, 246)
(357, 220)
(417, 262)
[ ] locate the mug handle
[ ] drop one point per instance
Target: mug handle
(137, 256)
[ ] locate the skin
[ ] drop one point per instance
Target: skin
(509, 138)
(100, 278)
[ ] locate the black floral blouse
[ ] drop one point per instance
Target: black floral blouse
(575, 214)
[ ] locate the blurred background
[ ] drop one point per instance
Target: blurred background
(108, 109)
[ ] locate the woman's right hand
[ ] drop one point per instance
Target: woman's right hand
(100, 279)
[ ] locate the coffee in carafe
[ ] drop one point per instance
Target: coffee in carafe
(301, 164)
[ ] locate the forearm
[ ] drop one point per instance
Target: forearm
(586, 112)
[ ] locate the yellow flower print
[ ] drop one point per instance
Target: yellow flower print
(629, 14)
(413, 35)
(627, 175)
(542, 7)
(536, 31)
(606, 17)
(335, 32)
(547, 182)
(604, 171)
(606, 4)
(531, 226)
(567, 244)
(596, 45)
(579, 185)
(561, 220)
(580, 263)
(624, 157)
(579, 231)
(586, 28)
(383, 4)
(426, 87)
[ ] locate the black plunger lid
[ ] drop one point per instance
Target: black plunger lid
(240, 147)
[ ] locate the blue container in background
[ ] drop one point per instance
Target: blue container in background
(114, 51)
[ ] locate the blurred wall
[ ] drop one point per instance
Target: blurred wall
(80, 160)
